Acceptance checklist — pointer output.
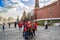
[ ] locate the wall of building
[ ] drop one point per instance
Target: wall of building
(50, 11)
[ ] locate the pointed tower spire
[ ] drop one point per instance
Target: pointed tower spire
(36, 8)
(24, 14)
(36, 3)
(24, 17)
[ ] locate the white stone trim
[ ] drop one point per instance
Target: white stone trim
(47, 19)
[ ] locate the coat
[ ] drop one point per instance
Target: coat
(20, 24)
(35, 26)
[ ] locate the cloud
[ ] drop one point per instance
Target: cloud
(14, 1)
(43, 3)
(11, 9)
(41, 0)
(1, 9)
(17, 4)
(51, 2)
(25, 0)
(16, 7)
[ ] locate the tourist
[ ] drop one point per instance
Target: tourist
(34, 27)
(3, 26)
(25, 31)
(46, 25)
(30, 28)
(15, 24)
(20, 24)
(9, 24)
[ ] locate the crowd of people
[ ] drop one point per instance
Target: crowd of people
(9, 25)
(29, 28)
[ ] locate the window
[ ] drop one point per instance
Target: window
(50, 8)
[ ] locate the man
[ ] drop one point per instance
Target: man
(20, 25)
(46, 25)
(25, 31)
(3, 26)
(15, 24)
(35, 25)
(9, 24)
(29, 28)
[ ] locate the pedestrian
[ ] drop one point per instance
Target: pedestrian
(33, 28)
(25, 31)
(46, 25)
(3, 26)
(20, 25)
(35, 25)
(9, 24)
(30, 29)
(25, 24)
(15, 24)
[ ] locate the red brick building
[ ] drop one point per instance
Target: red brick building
(49, 11)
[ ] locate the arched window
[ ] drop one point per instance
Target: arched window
(50, 9)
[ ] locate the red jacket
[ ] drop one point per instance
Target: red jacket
(25, 29)
(20, 24)
(29, 25)
(35, 25)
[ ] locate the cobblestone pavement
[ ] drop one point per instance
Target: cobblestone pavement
(52, 33)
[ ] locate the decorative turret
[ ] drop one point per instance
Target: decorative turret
(24, 17)
(36, 8)
(36, 4)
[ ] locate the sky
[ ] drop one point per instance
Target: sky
(16, 7)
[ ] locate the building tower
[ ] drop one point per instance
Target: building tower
(24, 17)
(36, 4)
(36, 8)
(24, 13)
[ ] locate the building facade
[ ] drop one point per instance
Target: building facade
(49, 11)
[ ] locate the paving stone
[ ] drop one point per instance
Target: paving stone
(52, 33)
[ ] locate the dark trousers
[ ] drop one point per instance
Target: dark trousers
(15, 25)
(33, 32)
(30, 33)
(3, 28)
(9, 26)
(46, 26)
(26, 35)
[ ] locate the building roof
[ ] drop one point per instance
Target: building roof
(48, 5)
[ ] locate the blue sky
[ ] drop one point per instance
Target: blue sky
(16, 7)
(25, 2)
(1, 3)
